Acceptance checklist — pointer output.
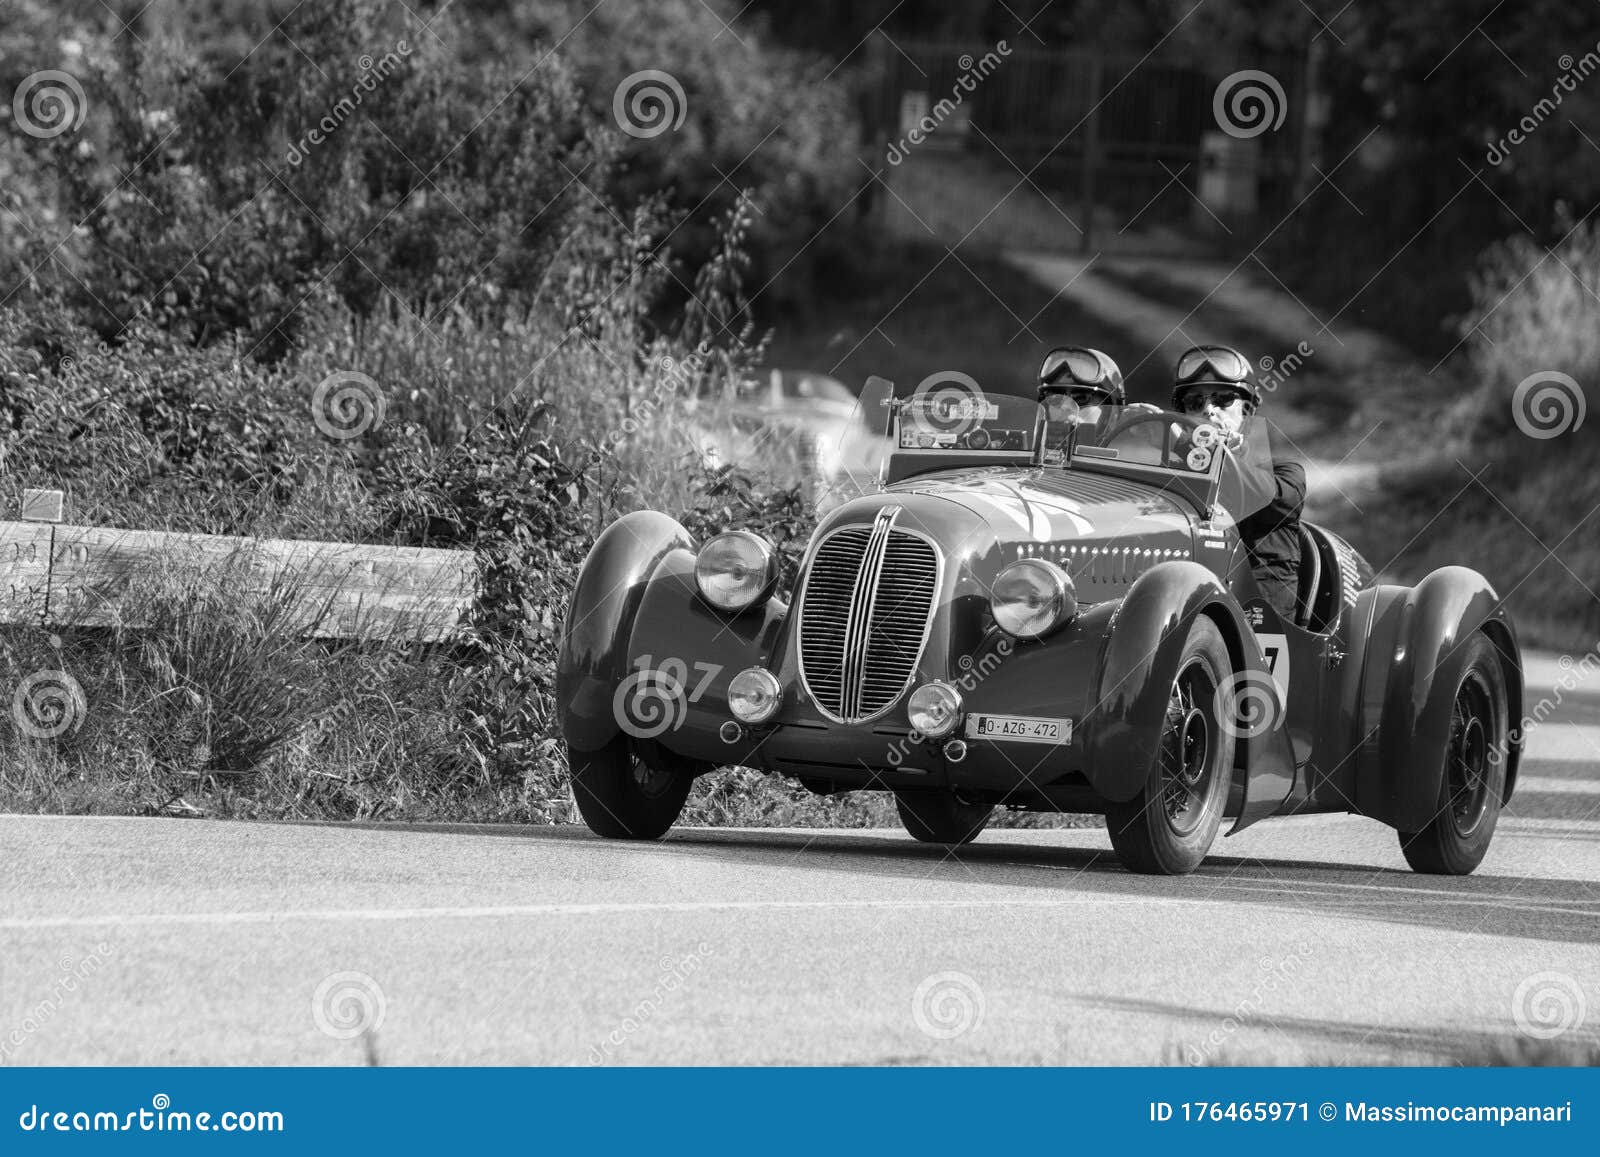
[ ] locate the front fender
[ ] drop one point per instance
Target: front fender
(593, 657)
(1409, 678)
(1138, 665)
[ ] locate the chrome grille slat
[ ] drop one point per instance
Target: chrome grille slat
(864, 615)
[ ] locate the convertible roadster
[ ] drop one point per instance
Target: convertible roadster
(1046, 611)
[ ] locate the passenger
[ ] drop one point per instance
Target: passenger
(1215, 382)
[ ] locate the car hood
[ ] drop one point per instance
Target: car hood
(1004, 506)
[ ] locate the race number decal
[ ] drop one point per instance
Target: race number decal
(1276, 650)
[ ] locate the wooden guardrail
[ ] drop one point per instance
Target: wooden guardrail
(56, 574)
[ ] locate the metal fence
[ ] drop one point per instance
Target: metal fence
(1109, 139)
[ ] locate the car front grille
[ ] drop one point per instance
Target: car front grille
(864, 616)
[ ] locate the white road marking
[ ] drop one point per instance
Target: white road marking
(513, 911)
(1563, 742)
(1553, 786)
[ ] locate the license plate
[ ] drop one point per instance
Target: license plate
(1020, 728)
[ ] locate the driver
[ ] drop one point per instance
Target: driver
(1215, 382)
(1085, 377)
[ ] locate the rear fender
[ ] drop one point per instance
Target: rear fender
(1410, 670)
(1138, 666)
(593, 656)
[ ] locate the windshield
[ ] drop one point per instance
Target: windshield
(957, 420)
(1141, 441)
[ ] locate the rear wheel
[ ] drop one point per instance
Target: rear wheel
(942, 817)
(1168, 828)
(1474, 778)
(623, 797)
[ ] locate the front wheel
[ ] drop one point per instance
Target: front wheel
(1474, 779)
(942, 817)
(1168, 828)
(622, 797)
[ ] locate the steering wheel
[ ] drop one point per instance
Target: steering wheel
(1203, 438)
(1134, 422)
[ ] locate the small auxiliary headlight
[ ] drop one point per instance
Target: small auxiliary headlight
(1031, 598)
(934, 709)
(754, 695)
(735, 570)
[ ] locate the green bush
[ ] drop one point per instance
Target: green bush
(1534, 312)
(519, 383)
(755, 116)
(214, 189)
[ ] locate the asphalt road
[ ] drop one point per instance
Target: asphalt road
(178, 941)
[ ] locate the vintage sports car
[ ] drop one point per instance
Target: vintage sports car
(1051, 611)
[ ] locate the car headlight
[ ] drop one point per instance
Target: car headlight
(754, 695)
(1032, 597)
(934, 709)
(734, 570)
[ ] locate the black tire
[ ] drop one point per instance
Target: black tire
(622, 797)
(942, 817)
(1473, 778)
(1168, 828)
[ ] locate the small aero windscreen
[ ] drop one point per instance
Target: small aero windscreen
(1183, 445)
(956, 420)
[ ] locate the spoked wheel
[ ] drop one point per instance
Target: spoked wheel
(1168, 828)
(1474, 776)
(942, 817)
(624, 797)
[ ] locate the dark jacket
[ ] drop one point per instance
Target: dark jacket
(1272, 538)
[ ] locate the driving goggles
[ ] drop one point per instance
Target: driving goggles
(1077, 366)
(1212, 363)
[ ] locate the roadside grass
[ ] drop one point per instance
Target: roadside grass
(1504, 479)
(742, 797)
(1525, 521)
